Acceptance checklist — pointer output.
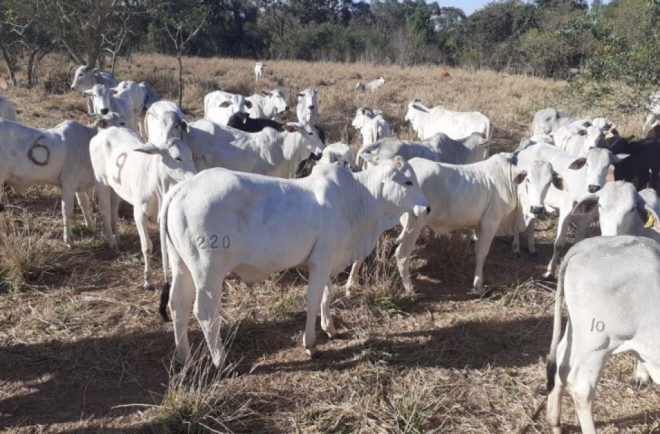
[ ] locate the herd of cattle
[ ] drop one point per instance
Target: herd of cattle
(226, 193)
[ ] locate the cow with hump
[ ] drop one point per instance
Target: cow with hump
(612, 288)
(486, 196)
(222, 221)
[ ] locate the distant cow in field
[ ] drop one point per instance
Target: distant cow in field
(443, 75)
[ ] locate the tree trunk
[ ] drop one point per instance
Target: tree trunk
(30, 67)
(11, 65)
(178, 58)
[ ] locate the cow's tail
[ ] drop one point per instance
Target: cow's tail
(551, 366)
(164, 236)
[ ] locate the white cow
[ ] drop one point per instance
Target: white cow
(548, 120)
(57, 156)
(104, 101)
(372, 86)
(7, 110)
(268, 152)
(371, 124)
(254, 226)
(220, 105)
(259, 69)
(457, 125)
(438, 148)
(267, 105)
(484, 196)
(164, 120)
(307, 107)
(582, 176)
(86, 77)
(125, 167)
(612, 287)
(340, 154)
(576, 140)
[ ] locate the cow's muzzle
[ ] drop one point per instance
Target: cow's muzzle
(537, 210)
(593, 188)
(419, 211)
(105, 111)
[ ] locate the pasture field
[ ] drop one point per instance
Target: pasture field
(83, 348)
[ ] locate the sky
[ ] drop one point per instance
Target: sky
(468, 6)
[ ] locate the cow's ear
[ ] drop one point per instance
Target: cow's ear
(101, 123)
(557, 180)
(149, 148)
(88, 92)
(582, 132)
(614, 132)
(183, 125)
(520, 177)
(398, 162)
(578, 164)
(264, 93)
(248, 104)
(225, 104)
(652, 221)
(616, 159)
(364, 111)
(585, 206)
(369, 157)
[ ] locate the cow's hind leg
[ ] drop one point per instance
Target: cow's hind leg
(83, 202)
(182, 296)
(114, 213)
(145, 243)
(352, 278)
(208, 284)
(319, 277)
(586, 370)
(68, 194)
(553, 411)
(562, 228)
(104, 194)
(326, 319)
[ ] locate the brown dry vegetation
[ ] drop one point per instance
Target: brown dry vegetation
(82, 348)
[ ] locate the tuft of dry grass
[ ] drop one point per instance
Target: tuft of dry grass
(77, 324)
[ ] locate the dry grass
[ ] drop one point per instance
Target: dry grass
(84, 350)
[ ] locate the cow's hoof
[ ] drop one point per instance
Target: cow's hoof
(479, 292)
(640, 383)
(148, 286)
(517, 255)
(313, 353)
(549, 277)
(533, 254)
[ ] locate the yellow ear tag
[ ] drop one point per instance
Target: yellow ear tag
(649, 222)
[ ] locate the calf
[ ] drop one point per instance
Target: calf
(267, 105)
(611, 286)
(254, 226)
(576, 140)
(374, 85)
(259, 69)
(7, 110)
(268, 152)
(125, 167)
(103, 102)
(642, 167)
(141, 95)
(581, 176)
(219, 106)
(371, 124)
(57, 156)
(484, 196)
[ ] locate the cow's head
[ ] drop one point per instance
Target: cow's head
(83, 78)
(100, 95)
(175, 155)
(401, 188)
(310, 137)
(596, 164)
(621, 210)
(536, 181)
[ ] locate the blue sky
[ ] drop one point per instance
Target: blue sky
(468, 6)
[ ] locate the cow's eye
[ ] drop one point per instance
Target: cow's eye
(178, 159)
(122, 124)
(409, 183)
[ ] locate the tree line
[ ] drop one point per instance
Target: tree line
(548, 38)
